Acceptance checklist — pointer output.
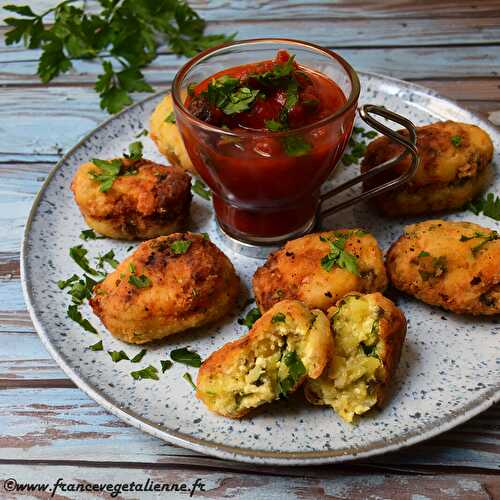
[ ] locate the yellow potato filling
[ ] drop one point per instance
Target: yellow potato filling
(262, 371)
(349, 381)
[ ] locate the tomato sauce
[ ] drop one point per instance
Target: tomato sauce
(266, 179)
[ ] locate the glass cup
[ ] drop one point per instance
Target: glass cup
(262, 193)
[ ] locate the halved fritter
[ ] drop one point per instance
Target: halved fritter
(167, 285)
(144, 201)
(167, 137)
(368, 333)
(320, 268)
(452, 264)
(454, 169)
(286, 345)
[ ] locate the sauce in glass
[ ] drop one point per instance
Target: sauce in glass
(266, 179)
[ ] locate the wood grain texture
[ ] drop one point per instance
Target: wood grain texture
(450, 46)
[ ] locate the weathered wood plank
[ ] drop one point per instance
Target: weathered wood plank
(339, 33)
(427, 63)
(341, 9)
(251, 486)
(63, 424)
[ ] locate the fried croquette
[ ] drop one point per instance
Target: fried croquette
(145, 199)
(368, 334)
(167, 285)
(454, 169)
(455, 265)
(320, 268)
(167, 137)
(286, 345)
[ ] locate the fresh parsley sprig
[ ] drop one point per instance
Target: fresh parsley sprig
(488, 205)
(124, 35)
(338, 255)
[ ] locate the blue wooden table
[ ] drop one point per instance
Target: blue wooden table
(49, 429)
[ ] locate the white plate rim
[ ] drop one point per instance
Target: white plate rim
(206, 447)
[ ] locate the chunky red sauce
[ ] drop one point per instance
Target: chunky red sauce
(266, 184)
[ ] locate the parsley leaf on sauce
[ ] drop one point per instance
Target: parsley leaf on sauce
(295, 145)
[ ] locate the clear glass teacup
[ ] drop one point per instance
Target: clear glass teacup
(264, 191)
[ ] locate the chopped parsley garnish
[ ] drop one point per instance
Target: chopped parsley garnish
(82, 289)
(131, 267)
(186, 357)
(456, 140)
(489, 205)
(97, 346)
(110, 170)
(439, 265)
(79, 254)
(76, 315)
(166, 364)
(170, 118)
(108, 258)
(369, 350)
(200, 189)
(134, 152)
(296, 370)
(141, 281)
(251, 317)
(89, 234)
(357, 149)
(118, 356)
(180, 247)
(292, 98)
(142, 133)
(338, 256)
(274, 75)
(189, 379)
(295, 145)
(274, 126)
(138, 357)
(150, 372)
(278, 318)
(62, 284)
(423, 253)
(485, 237)
(206, 236)
(227, 94)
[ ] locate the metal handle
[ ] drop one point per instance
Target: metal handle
(410, 145)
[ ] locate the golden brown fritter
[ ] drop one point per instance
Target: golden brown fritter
(455, 265)
(285, 345)
(454, 169)
(298, 271)
(167, 137)
(145, 201)
(368, 332)
(167, 285)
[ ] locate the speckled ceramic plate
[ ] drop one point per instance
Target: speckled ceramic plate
(448, 371)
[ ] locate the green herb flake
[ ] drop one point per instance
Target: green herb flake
(142, 133)
(170, 118)
(296, 145)
(200, 189)
(278, 318)
(485, 237)
(135, 150)
(107, 258)
(150, 372)
(274, 126)
(251, 317)
(180, 247)
(131, 267)
(371, 134)
(166, 364)
(456, 140)
(338, 256)
(79, 254)
(186, 357)
(488, 205)
(109, 172)
(97, 346)
(89, 234)
(423, 253)
(62, 284)
(76, 315)
(296, 370)
(189, 379)
(138, 357)
(141, 281)
(118, 356)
